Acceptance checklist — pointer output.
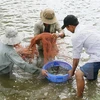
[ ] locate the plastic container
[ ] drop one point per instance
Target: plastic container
(59, 78)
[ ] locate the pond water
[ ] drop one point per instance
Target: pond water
(23, 14)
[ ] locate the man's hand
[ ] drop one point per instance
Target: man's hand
(54, 35)
(71, 73)
(61, 35)
(44, 72)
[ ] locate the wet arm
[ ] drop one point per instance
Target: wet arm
(60, 31)
(16, 59)
(75, 64)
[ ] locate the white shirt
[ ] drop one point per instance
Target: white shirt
(89, 39)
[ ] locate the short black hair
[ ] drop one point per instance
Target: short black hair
(70, 20)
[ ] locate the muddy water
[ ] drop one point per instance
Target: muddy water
(23, 14)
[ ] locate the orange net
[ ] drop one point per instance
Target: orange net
(50, 49)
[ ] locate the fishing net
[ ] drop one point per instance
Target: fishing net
(49, 45)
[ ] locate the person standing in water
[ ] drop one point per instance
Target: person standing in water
(49, 24)
(9, 56)
(89, 39)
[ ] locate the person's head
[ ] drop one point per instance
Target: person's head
(48, 16)
(70, 22)
(10, 37)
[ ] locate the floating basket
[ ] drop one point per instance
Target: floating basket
(59, 78)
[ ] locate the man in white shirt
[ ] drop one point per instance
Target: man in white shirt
(89, 39)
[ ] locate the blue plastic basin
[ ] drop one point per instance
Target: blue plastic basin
(59, 78)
